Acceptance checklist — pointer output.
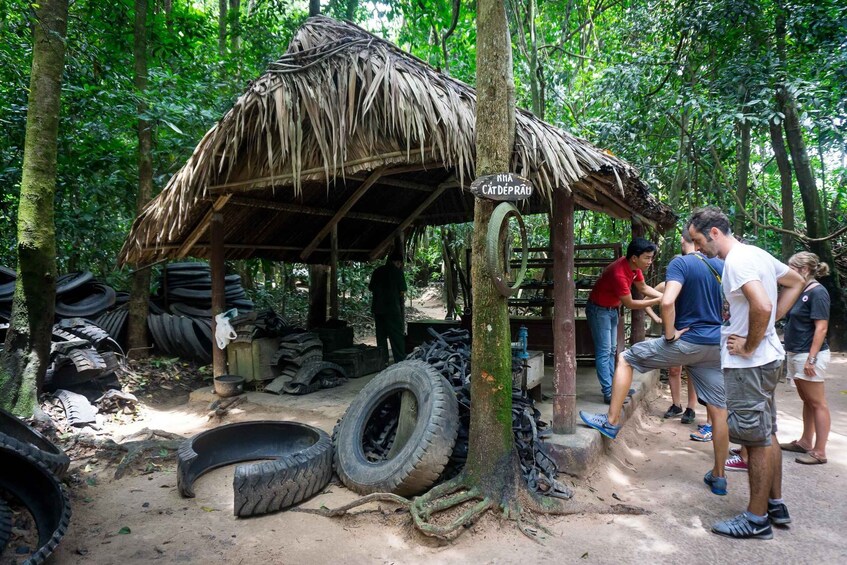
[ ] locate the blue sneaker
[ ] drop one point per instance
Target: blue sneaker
(717, 484)
(741, 527)
(600, 422)
(704, 433)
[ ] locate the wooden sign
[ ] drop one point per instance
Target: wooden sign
(502, 187)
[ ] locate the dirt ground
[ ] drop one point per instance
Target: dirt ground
(652, 465)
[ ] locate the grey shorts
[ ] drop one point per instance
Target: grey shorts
(702, 361)
(751, 404)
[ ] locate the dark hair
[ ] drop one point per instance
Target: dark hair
(639, 245)
(685, 234)
(704, 219)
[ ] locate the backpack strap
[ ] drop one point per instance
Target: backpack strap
(714, 271)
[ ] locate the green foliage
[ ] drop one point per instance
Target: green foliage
(665, 85)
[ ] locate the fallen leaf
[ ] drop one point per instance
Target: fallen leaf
(207, 509)
(584, 555)
(125, 530)
(615, 496)
(91, 481)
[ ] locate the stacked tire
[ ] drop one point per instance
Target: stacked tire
(187, 289)
(30, 470)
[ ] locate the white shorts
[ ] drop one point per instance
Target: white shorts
(796, 362)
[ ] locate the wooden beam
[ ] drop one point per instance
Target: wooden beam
(194, 236)
(380, 249)
(303, 209)
(263, 182)
(363, 188)
(249, 246)
(398, 183)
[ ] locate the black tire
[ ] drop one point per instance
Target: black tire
(300, 463)
(72, 281)
(421, 460)
(5, 524)
(43, 495)
(99, 298)
(16, 435)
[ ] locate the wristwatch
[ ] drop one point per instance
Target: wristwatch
(812, 360)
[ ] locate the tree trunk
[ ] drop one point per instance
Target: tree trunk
(140, 291)
(27, 349)
(491, 446)
(350, 12)
(222, 17)
(536, 88)
(742, 173)
(450, 276)
(234, 16)
(781, 157)
(815, 218)
(318, 286)
(314, 8)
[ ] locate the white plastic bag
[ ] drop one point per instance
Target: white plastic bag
(223, 329)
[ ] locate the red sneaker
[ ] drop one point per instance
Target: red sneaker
(736, 463)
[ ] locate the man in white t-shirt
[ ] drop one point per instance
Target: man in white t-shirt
(751, 358)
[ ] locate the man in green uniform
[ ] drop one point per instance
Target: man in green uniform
(388, 286)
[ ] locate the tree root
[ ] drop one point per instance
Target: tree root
(341, 510)
(444, 497)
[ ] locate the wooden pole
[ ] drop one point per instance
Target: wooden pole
(637, 332)
(216, 227)
(333, 281)
(564, 328)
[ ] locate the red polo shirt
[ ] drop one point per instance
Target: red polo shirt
(616, 281)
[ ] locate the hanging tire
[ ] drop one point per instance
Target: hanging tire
(17, 436)
(409, 469)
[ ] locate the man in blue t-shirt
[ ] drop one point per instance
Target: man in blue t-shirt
(692, 313)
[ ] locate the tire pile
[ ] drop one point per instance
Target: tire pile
(30, 469)
(302, 370)
(80, 351)
(437, 374)
(78, 295)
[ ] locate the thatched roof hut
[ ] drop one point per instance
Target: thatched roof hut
(348, 130)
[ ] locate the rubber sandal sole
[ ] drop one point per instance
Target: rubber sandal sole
(810, 459)
(793, 447)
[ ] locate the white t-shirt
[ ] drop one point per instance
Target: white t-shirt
(743, 264)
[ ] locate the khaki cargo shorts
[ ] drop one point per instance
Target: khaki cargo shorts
(751, 404)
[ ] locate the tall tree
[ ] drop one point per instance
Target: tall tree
(27, 348)
(491, 475)
(140, 290)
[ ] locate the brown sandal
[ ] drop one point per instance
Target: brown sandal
(810, 458)
(794, 447)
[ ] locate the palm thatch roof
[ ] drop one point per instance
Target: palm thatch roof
(347, 130)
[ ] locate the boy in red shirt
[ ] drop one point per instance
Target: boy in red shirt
(610, 291)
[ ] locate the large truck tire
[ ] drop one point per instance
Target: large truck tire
(414, 466)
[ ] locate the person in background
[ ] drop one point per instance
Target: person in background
(751, 359)
(612, 289)
(808, 358)
(388, 286)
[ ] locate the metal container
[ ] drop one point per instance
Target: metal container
(229, 385)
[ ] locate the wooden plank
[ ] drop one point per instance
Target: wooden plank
(303, 209)
(564, 329)
(363, 188)
(380, 249)
(200, 228)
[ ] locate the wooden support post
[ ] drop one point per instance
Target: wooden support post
(216, 227)
(564, 327)
(333, 281)
(638, 332)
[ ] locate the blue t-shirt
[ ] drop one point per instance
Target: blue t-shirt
(698, 306)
